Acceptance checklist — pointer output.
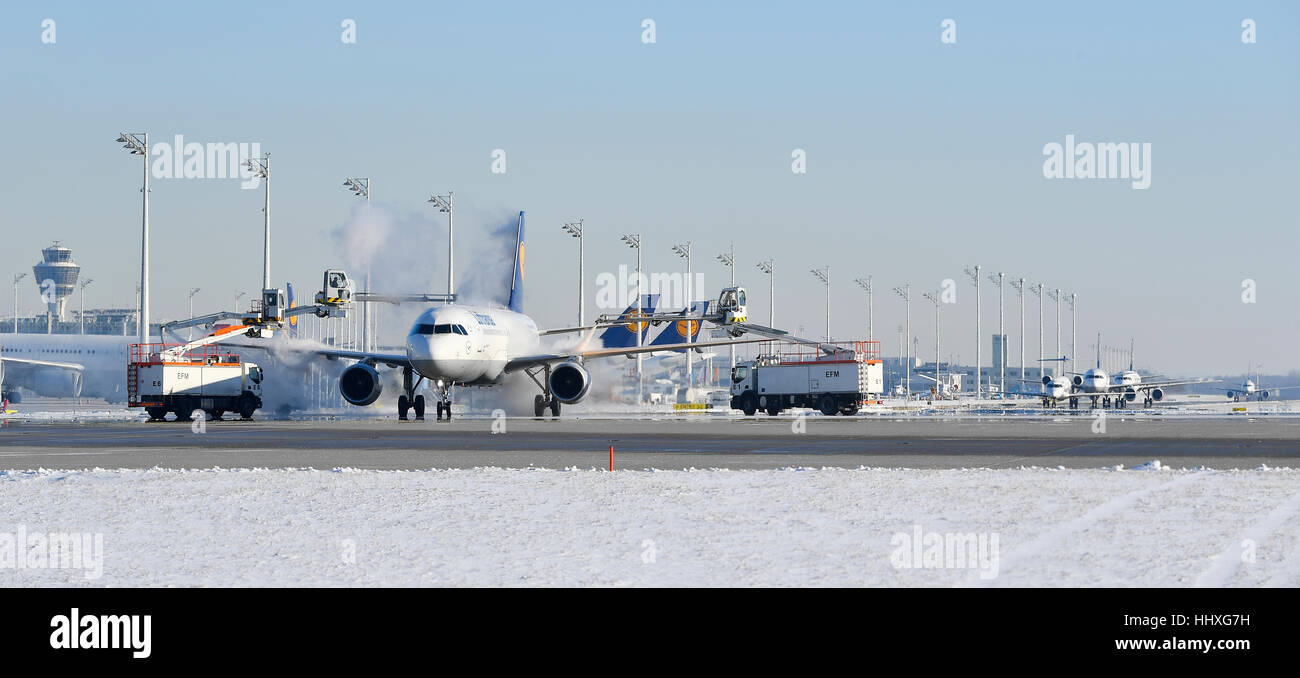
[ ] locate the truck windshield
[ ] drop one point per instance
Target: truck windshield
(255, 374)
(739, 374)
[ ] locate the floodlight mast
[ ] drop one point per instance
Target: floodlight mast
(447, 204)
(138, 144)
(974, 273)
(1000, 279)
(935, 297)
(728, 259)
(84, 284)
(684, 251)
(18, 277)
(769, 267)
(1038, 292)
(906, 293)
(824, 275)
(361, 187)
(575, 229)
(1019, 285)
(261, 167)
(866, 285)
(634, 241)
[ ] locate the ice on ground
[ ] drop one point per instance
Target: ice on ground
(790, 527)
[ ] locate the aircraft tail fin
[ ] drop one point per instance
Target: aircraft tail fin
(516, 301)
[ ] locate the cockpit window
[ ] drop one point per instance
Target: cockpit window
(442, 329)
(423, 329)
(459, 329)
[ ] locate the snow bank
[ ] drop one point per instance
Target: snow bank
(790, 527)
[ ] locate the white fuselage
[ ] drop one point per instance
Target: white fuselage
(1095, 381)
(468, 344)
(1125, 379)
(102, 356)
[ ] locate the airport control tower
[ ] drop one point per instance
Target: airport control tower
(56, 278)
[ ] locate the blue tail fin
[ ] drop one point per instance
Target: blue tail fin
(624, 335)
(516, 302)
(678, 330)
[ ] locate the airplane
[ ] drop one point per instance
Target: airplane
(467, 345)
(1122, 387)
(64, 366)
(1251, 391)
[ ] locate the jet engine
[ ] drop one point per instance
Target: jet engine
(360, 385)
(569, 382)
(1130, 395)
(1157, 394)
(1046, 380)
(1263, 395)
(1078, 380)
(1232, 394)
(57, 383)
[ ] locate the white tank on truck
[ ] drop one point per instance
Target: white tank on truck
(833, 378)
(180, 379)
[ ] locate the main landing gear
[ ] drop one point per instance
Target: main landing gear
(410, 401)
(547, 399)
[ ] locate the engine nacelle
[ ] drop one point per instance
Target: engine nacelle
(1263, 395)
(1130, 395)
(1046, 380)
(1157, 394)
(1078, 380)
(360, 385)
(569, 382)
(1232, 394)
(57, 383)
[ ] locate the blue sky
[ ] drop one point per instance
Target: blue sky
(922, 157)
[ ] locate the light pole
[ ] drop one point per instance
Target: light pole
(1074, 329)
(1019, 285)
(769, 267)
(866, 285)
(18, 277)
(634, 241)
(84, 284)
(360, 186)
(824, 275)
(934, 297)
(1000, 278)
(684, 251)
(138, 144)
(261, 167)
(728, 259)
(575, 229)
(1055, 294)
(193, 291)
(974, 273)
(906, 293)
(239, 295)
(1038, 292)
(447, 204)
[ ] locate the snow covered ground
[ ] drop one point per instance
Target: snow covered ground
(1149, 526)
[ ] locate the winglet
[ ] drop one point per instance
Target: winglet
(516, 302)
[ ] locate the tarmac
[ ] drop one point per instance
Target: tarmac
(667, 442)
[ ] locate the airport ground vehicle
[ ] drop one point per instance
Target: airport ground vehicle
(832, 378)
(181, 378)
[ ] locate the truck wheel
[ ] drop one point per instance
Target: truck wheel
(850, 410)
(828, 406)
(184, 410)
(217, 414)
(247, 406)
(749, 404)
(773, 410)
(156, 413)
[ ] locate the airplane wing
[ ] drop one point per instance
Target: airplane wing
(389, 359)
(525, 362)
(19, 362)
(1171, 382)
